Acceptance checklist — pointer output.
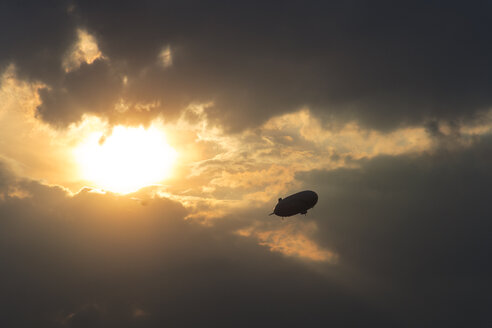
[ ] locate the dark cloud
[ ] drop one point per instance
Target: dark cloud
(101, 260)
(411, 234)
(92, 88)
(88, 316)
(35, 36)
(417, 229)
(382, 63)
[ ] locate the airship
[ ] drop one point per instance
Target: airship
(298, 203)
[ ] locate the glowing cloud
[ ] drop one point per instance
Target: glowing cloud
(165, 57)
(85, 50)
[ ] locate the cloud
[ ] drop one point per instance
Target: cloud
(384, 236)
(88, 316)
(92, 88)
(382, 108)
(92, 259)
(38, 36)
(383, 65)
(84, 50)
(415, 228)
(292, 239)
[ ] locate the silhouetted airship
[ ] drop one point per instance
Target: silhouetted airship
(296, 204)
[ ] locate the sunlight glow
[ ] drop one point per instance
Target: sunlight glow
(127, 160)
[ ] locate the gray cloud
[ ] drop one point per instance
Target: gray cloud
(95, 259)
(92, 88)
(411, 234)
(381, 63)
(35, 37)
(417, 229)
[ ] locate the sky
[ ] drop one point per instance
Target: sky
(144, 143)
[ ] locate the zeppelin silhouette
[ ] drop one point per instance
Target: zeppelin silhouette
(295, 204)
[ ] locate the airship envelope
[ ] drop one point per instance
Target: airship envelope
(298, 203)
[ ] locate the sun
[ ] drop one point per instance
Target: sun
(127, 160)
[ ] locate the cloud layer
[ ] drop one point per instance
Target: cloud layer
(379, 63)
(102, 260)
(383, 108)
(410, 236)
